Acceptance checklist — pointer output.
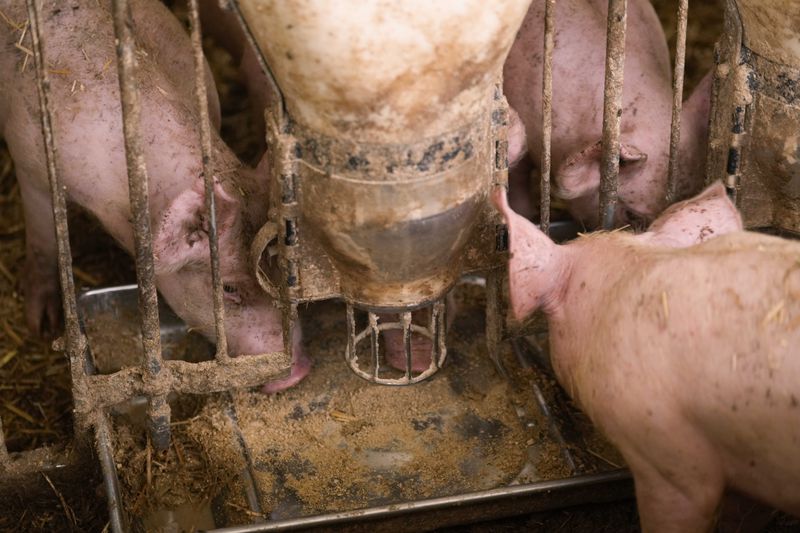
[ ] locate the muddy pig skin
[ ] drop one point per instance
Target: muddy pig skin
(578, 80)
(79, 49)
(686, 356)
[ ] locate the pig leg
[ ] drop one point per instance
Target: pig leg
(679, 483)
(40, 280)
(664, 507)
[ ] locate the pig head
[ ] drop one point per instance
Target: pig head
(577, 106)
(87, 126)
(643, 165)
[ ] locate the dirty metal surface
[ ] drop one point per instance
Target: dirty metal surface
(755, 147)
(512, 453)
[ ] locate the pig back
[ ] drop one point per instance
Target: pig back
(78, 43)
(710, 334)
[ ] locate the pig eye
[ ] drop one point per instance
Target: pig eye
(231, 293)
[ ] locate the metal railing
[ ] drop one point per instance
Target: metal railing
(155, 378)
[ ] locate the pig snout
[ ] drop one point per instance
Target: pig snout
(422, 347)
(253, 325)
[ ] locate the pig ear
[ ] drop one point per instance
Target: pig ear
(531, 265)
(709, 214)
(580, 174)
(695, 110)
(182, 235)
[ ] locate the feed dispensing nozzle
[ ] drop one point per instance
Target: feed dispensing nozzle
(387, 137)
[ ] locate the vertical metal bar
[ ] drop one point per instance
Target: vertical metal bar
(494, 312)
(3, 449)
(75, 344)
(251, 41)
(247, 477)
(438, 326)
(374, 346)
(406, 320)
(158, 408)
(288, 320)
(612, 109)
(201, 95)
(351, 333)
(677, 102)
(105, 454)
(547, 114)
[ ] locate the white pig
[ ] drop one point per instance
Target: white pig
(578, 80)
(686, 356)
(79, 51)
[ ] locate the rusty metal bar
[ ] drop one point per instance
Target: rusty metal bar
(374, 345)
(677, 102)
(351, 355)
(3, 449)
(184, 377)
(105, 453)
(201, 95)
(406, 319)
(75, 342)
(547, 114)
(233, 5)
(158, 410)
(495, 312)
(438, 330)
(247, 474)
(612, 109)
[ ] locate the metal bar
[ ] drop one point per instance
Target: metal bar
(547, 114)
(288, 321)
(406, 319)
(201, 95)
(158, 411)
(495, 316)
(612, 109)
(262, 62)
(247, 477)
(467, 508)
(374, 346)
(3, 449)
(184, 377)
(438, 326)
(677, 102)
(75, 344)
(105, 454)
(351, 334)
(552, 424)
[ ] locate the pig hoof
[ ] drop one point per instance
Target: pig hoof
(300, 369)
(42, 307)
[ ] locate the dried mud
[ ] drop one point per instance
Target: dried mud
(336, 442)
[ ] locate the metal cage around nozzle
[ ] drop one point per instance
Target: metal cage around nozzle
(374, 369)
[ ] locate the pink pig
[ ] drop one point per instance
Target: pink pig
(578, 80)
(687, 356)
(79, 40)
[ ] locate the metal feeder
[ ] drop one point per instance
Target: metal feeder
(379, 199)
